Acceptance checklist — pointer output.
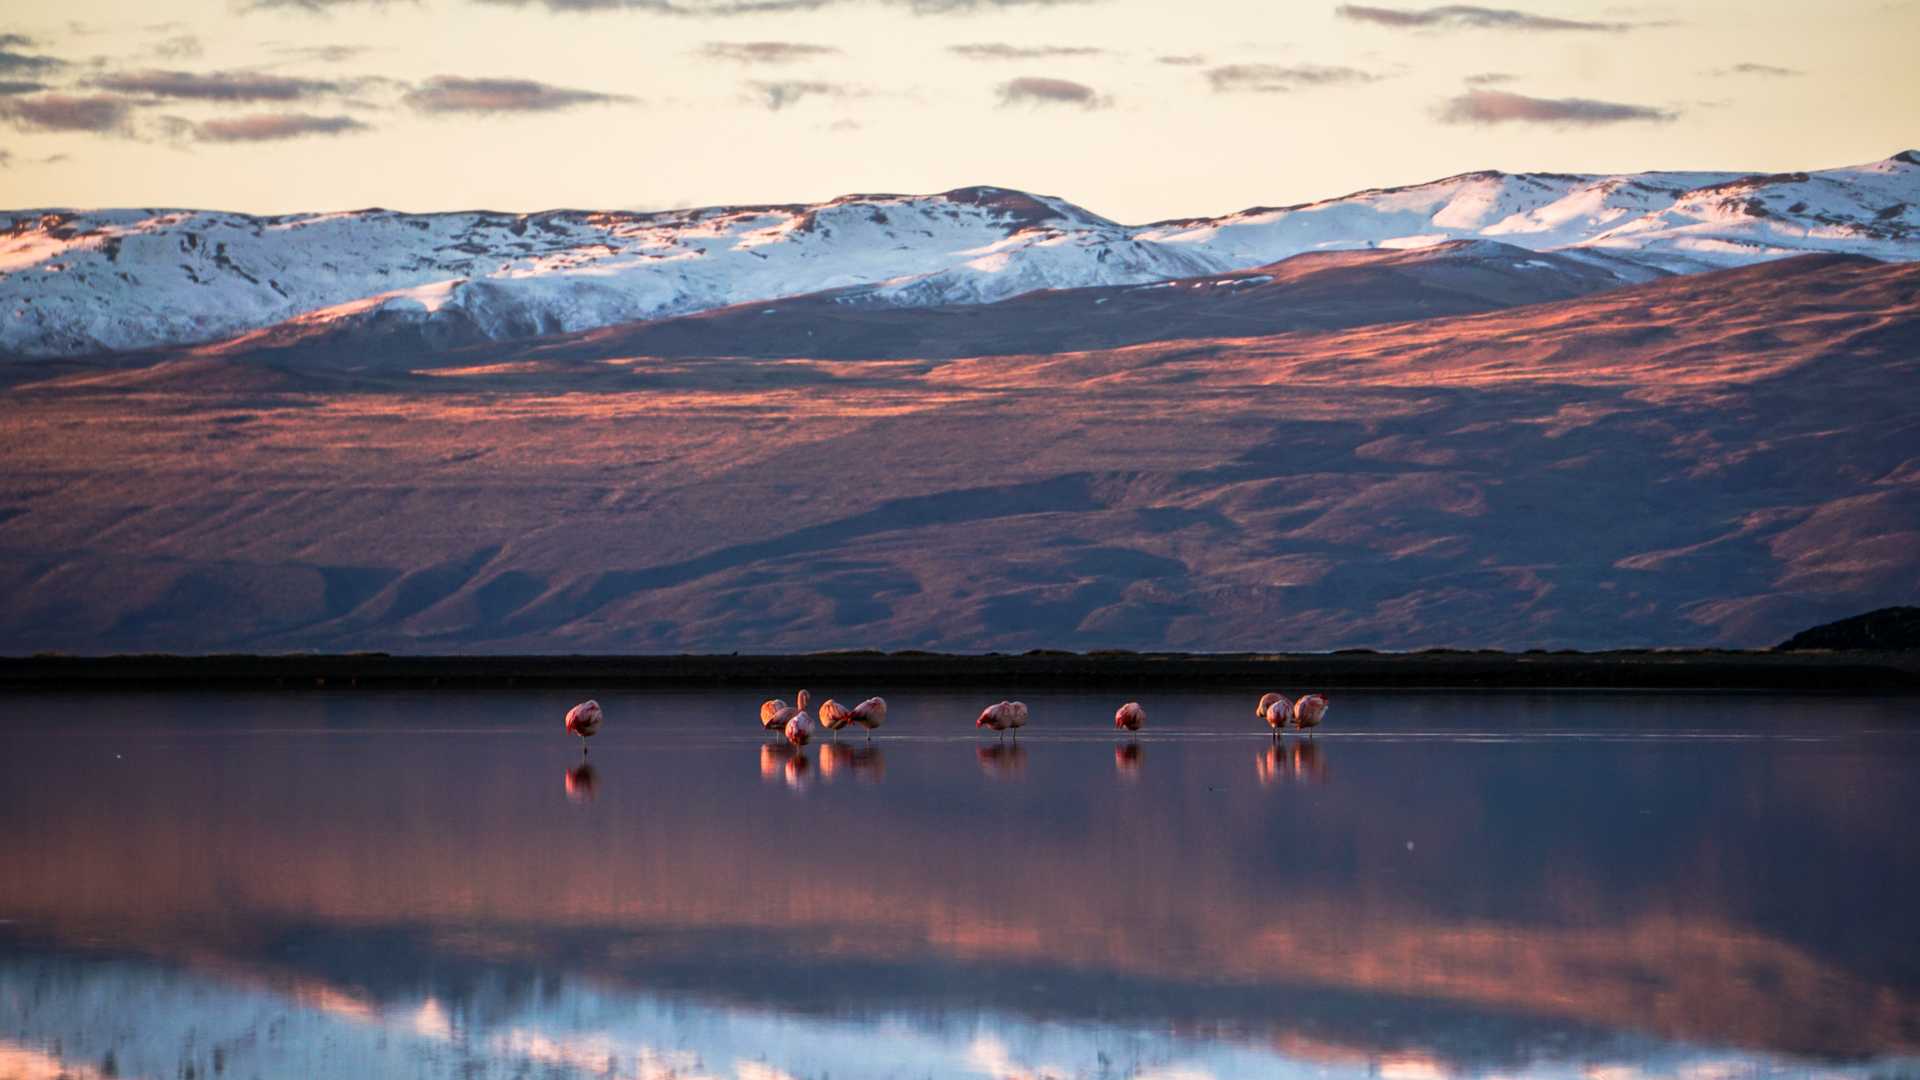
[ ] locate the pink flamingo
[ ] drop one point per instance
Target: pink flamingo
(1308, 711)
(1275, 709)
(870, 714)
(1004, 716)
(775, 713)
(834, 716)
(583, 720)
(799, 728)
(1130, 716)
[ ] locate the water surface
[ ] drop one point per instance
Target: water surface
(436, 884)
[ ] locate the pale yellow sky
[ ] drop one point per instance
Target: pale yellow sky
(896, 110)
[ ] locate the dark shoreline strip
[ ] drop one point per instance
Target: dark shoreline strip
(1827, 672)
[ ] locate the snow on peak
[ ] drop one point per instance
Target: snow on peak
(77, 282)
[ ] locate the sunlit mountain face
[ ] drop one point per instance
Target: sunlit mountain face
(439, 885)
(1469, 446)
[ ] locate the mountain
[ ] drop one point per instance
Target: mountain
(1316, 291)
(1715, 458)
(80, 283)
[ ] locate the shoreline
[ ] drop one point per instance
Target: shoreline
(1826, 672)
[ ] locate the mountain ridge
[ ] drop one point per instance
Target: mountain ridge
(78, 283)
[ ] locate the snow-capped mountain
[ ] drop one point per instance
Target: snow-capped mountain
(81, 282)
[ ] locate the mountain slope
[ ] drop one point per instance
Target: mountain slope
(1715, 458)
(1317, 291)
(77, 283)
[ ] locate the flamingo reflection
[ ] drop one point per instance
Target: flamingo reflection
(783, 762)
(1003, 761)
(1126, 760)
(580, 781)
(863, 762)
(1298, 761)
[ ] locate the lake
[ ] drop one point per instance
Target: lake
(439, 884)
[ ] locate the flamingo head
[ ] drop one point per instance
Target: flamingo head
(801, 700)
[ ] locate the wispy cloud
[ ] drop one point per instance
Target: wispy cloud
(696, 8)
(1187, 60)
(1773, 71)
(766, 52)
(321, 54)
(1471, 17)
(9, 88)
(215, 85)
(455, 94)
(1000, 50)
(177, 47)
(316, 7)
(727, 8)
(13, 62)
(273, 127)
(1502, 107)
(1490, 78)
(1279, 78)
(786, 93)
(1036, 90)
(103, 114)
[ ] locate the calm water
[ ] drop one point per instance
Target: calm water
(426, 885)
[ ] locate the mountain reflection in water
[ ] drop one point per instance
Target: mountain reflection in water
(333, 886)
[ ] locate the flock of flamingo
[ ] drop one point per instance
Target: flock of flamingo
(796, 725)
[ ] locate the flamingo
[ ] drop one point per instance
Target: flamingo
(583, 720)
(1130, 716)
(775, 713)
(770, 710)
(1276, 710)
(834, 716)
(1005, 716)
(869, 714)
(799, 728)
(1308, 711)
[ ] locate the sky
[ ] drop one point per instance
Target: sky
(1136, 109)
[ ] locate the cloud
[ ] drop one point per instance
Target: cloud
(725, 8)
(454, 94)
(322, 54)
(1501, 107)
(6, 159)
(1770, 70)
(1469, 17)
(1490, 78)
(99, 113)
(19, 63)
(1279, 79)
(316, 7)
(177, 47)
(788, 92)
(766, 52)
(1000, 50)
(696, 8)
(968, 7)
(9, 88)
(1035, 90)
(1189, 60)
(215, 85)
(267, 127)
(15, 41)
